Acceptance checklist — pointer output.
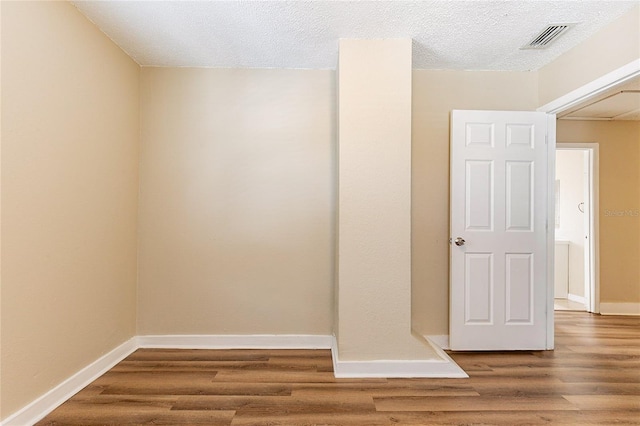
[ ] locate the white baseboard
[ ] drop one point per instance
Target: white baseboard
(441, 340)
(256, 341)
(577, 299)
(444, 367)
(48, 402)
(619, 308)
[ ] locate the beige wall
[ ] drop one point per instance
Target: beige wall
(374, 202)
(69, 194)
(236, 201)
(614, 46)
(435, 94)
(619, 202)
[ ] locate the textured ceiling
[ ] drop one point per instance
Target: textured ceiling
(463, 35)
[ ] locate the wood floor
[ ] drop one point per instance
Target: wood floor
(592, 378)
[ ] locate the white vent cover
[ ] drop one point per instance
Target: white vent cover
(547, 36)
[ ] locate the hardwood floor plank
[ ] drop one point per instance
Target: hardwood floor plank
(280, 377)
(606, 402)
(72, 413)
(436, 418)
(342, 391)
(600, 376)
(505, 386)
(151, 383)
(472, 403)
(211, 366)
(570, 375)
(323, 361)
(305, 407)
(246, 388)
(198, 355)
(555, 388)
(151, 377)
(597, 350)
(553, 359)
(272, 404)
(324, 419)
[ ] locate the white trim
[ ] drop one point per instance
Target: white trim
(444, 367)
(619, 308)
(577, 299)
(592, 271)
(551, 229)
(48, 402)
(593, 88)
(334, 353)
(585, 118)
(453, 366)
(440, 340)
(236, 341)
(398, 369)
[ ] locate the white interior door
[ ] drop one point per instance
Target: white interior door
(499, 196)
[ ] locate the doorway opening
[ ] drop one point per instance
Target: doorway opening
(576, 277)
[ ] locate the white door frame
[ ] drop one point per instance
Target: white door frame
(581, 94)
(594, 88)
(592, 277)
(551, 229)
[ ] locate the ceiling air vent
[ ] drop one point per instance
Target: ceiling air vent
(547, 36)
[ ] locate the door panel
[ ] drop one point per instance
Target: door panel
(519, 287)
(519, 202)
(478, 288)
(479, 182)
(498, 207)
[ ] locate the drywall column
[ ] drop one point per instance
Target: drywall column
(374, 203)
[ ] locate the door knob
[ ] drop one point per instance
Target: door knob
(459, 241)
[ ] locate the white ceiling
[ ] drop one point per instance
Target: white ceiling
(462, 35)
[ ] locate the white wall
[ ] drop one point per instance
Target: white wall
(570, 172)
